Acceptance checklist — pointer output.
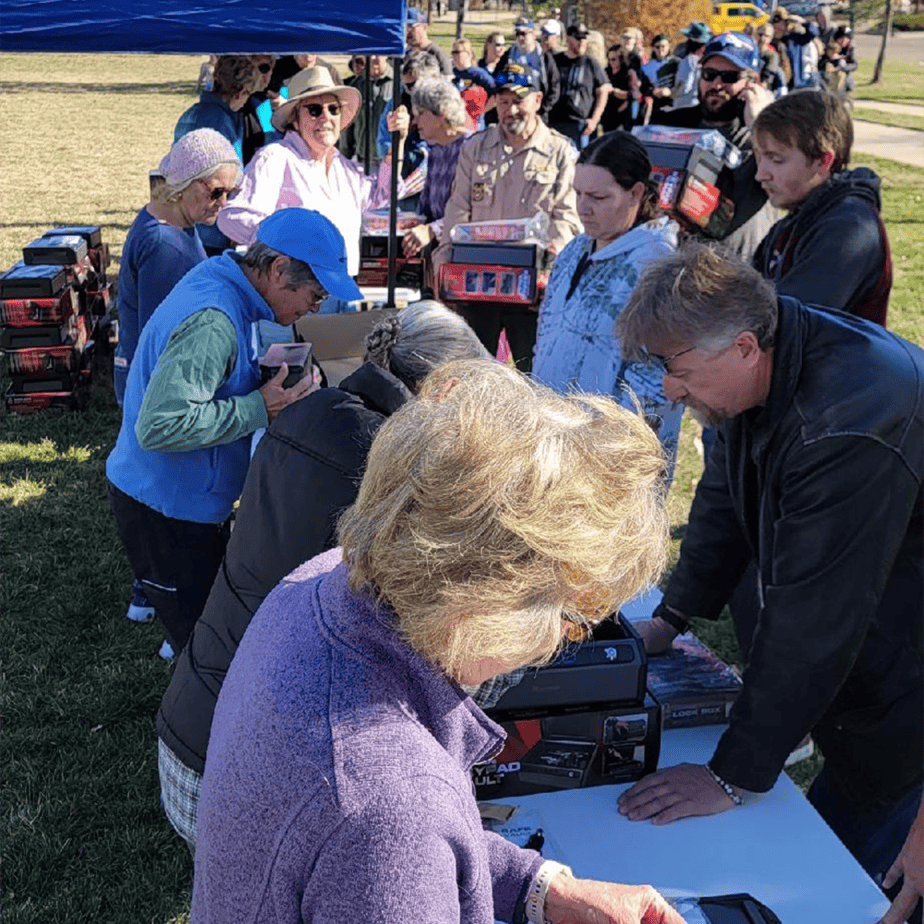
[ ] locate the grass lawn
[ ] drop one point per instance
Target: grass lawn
(903, 80)
(896, 119)
(85, 839)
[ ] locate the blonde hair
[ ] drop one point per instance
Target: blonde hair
(492, 507)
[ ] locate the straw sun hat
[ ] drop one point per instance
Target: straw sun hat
(311, 83)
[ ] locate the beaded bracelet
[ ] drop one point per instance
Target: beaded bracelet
(727, 788)
(535, 899)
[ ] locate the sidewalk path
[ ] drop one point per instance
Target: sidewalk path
(906, 145)
(914, 109)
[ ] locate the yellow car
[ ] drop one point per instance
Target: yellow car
(733, 17)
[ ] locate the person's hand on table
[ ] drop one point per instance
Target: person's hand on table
(415, 239)
(910, 865)
(675, 792)
(656, 635)
(276, 398)
(587, 901)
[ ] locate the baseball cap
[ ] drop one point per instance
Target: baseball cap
(578, 31)
(308, 236)
(735, 47)
(551, 27)
(524, 25)
(415, 16)
(521, 80)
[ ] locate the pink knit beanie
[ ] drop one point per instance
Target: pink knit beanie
(196, 155)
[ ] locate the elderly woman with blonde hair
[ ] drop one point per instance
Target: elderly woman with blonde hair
(493, 515)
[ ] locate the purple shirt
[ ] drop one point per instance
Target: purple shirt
(337, 786)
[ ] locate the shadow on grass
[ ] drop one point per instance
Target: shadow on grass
(179, 87)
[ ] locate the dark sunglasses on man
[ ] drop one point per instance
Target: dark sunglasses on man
(710, 73)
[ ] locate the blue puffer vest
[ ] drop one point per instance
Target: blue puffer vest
(200, 485)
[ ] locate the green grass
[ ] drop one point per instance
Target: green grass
(903, 79)
(895, 119)
(84, 837)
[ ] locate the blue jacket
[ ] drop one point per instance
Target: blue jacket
(156, 256)
(200, 485)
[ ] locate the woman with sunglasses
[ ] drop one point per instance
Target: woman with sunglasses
(192, 183)
(494, 518)
(236, 77)
(494, 46)
(624, 231)
(306, 169)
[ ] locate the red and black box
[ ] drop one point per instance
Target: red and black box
(614, 743)
(31, 312)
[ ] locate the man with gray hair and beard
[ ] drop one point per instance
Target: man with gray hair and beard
(512, 170)
(817, 475)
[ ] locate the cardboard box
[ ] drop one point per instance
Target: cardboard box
(693, 685)
(567, 749)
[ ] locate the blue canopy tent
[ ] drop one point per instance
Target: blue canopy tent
(219, 27)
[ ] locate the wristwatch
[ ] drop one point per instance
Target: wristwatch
(678, 623)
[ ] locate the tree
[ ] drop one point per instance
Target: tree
(886, 30)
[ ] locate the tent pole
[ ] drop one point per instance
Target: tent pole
(393, 198)
(369, 107)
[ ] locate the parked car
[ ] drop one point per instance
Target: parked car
(733, 17)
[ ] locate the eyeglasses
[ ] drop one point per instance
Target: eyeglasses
(264, 68)
(218, 192)
(661, 362)
(315, 110)
(458, 51)
(710, 73)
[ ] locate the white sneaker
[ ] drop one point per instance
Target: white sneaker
(140, 609)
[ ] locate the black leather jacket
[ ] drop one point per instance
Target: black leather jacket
(822, 486)
(304, 473)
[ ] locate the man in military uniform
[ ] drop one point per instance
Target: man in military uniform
(513, 170)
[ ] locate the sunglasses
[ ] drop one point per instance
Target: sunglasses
(710, 73)
(521, 32)
(778, 19)
(500, 44)
(315, 110)
(264, 68)
(661, 362)
(219, 192)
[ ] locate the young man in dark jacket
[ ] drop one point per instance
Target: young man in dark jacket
(817, 477)
(832, 248)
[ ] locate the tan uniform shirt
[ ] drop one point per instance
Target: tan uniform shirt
(495, 181)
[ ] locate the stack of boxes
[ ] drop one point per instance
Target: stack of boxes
(583, 720)
(51, 303)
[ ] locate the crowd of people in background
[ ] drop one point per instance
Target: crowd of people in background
(282, 156)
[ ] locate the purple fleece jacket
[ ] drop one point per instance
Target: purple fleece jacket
(337, 786)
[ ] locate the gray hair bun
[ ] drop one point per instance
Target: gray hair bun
(381, 340)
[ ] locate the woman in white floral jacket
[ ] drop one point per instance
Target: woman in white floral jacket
(576, 345)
